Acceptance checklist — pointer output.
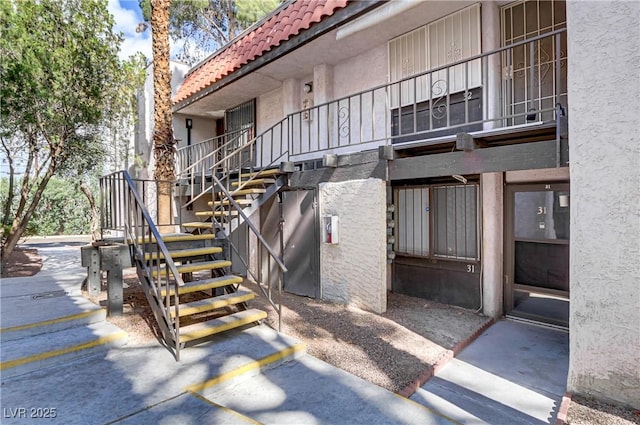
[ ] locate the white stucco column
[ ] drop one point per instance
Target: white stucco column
(354, 271)
(491, 40)
(492, 243)
(322, 83)
(604, 146)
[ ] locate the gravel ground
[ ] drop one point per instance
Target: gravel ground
(588, 411)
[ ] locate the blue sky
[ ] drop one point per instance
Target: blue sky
(127, 15)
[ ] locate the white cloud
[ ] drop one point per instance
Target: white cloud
(126, 21)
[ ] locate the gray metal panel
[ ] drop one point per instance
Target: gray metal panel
(269, 228)
(239, 238)
(301, 248)
(526, 156)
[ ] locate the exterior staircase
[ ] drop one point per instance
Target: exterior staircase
(209, 301)
(247, 190)
(187, 276)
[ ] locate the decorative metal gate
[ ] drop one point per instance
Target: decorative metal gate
(542, 86)
(242, 117)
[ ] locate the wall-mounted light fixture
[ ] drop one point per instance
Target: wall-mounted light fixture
(308, 87)
(563, 200)
(189, 125)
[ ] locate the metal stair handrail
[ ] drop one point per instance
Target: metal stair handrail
(249, 165)
(282, 268)
(196, 172)
(183, 154)
(131, 216)
(223, 164)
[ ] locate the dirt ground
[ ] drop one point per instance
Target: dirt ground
(390, 350)
(24, 262)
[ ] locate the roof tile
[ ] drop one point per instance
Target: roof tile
(281, 26)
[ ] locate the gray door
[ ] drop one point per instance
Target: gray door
(537, 253)
(300, 239)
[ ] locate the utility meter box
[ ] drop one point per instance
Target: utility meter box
(330, 229)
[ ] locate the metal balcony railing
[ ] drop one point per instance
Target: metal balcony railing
(514, 85)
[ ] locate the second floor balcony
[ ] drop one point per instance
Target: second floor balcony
(515, 90)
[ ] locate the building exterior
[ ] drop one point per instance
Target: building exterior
(454, 151)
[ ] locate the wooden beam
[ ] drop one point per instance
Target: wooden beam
(525, 156)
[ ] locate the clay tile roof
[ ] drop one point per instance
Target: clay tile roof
(281, 26)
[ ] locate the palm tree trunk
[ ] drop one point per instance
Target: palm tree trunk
(163, 141)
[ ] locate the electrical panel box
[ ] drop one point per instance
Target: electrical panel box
(330, 229)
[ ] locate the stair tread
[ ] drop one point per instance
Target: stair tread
(181, 253)
(214, 303)
(254, 182)
(200, 266)
(199, 224)
(220, 324)
(226, 202)
(269, 172)
(215, 213)
(252, 191)
(178, 238)
(204, 284)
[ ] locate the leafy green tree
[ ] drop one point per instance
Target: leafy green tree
(60, 70)
(63, 209)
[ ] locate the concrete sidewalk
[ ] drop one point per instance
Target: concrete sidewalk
(144, 384)
(513, 373)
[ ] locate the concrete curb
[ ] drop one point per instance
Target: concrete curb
(52, 325)
(250, 369)
(422, 379)
(64, 352)
(561, 418)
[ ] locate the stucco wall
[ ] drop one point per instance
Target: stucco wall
(354, 271)
(269, 110)
(604, 111)
(349, 77)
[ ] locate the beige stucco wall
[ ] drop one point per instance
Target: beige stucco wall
(354, 271)
(604, 118)
(269, 109)
(361, 72)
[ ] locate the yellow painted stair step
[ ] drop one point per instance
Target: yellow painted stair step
(198, 225)
(252, 191)
(216, 213)
(254, 182)
(178, 238)
(262, 173)
(226, 202)
(220, 324)
(203, 285)
(182, 253)
(197, 267)
(215, 303)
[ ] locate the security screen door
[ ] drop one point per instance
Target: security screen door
(537, 252)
